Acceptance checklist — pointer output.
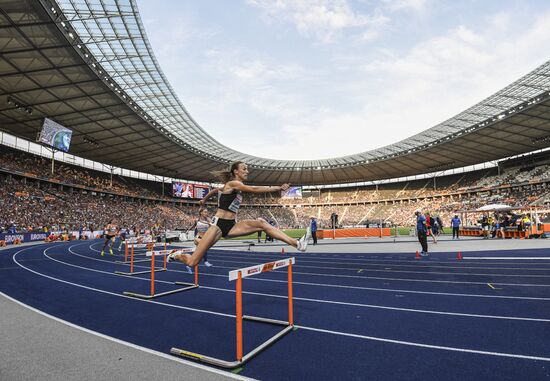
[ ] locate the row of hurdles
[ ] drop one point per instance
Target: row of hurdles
(151, 255)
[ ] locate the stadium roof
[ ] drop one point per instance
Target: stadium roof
(88, 65)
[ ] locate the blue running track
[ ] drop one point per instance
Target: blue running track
(359, 316)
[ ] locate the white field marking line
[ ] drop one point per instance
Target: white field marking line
(412, 272)
(114, 293)
(424, 265)
(137, 265)
(144, 277)
(400, 342)
(137, 253)
(334, 302)
(325, 284)
(510, 258)
(340, 276)
(372, 338)
(399, 279)
(306, 283)
(367, 259)
(130, 345)
(220, 257)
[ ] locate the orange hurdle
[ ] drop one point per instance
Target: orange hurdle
(154, 269)
(238, 275)
(132, 261)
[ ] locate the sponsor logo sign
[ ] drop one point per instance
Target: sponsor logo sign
(268, 267)
(12, 237)
(38, 236)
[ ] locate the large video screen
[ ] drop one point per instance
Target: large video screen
(201, 191)
(55, 135)
(185, 190)
(292, 192)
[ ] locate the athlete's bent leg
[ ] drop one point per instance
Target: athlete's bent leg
(212, 235)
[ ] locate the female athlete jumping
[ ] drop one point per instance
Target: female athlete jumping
(224, 224)
(110, 235)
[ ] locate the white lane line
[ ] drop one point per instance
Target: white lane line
(455, 274)
(323, 301)
(453, 349)
(370, 258)
(511, 258)
(324, 284)
(372, 338)
(134, 346)
(423, 265)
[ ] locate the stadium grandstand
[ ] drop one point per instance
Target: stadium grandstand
(87, 67)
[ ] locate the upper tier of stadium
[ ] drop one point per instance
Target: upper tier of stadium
(88, 65)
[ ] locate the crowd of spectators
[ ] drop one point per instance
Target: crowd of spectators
(31, 199)
(40, 167)
(29, 208)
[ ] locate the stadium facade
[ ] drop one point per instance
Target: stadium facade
(88, 65)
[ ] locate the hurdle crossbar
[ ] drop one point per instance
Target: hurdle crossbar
(152, 294)
(148, 246)
(238, 275)
(132, 261)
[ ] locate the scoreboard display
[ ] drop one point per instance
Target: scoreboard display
(200, 191)
(192, 191)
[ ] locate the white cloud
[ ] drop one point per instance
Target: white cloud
(321, 19)
(401, 5)
(404, 95)
(348, 100)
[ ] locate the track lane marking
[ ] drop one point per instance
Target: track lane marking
(329, 284)
(373, 306)
(371, 338)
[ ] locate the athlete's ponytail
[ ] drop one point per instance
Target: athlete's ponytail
(225, 176)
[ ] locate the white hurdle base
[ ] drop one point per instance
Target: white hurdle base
(234, 364)
(153, 295)
(288, 325)
(190, 286)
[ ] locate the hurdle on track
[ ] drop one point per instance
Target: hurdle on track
(132, 261)
(148, 246)
(238, 275)
(142, 240)
(152, 294)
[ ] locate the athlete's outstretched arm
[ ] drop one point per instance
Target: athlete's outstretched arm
(235, 184)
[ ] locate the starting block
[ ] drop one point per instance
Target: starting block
(238, 275)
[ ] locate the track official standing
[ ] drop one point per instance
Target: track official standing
(421, 232)
(455, 224)
(313, 226)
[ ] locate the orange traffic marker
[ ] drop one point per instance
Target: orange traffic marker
(459, 256)
(417, 256)
(283, 250)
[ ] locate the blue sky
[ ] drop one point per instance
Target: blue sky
(292, 79)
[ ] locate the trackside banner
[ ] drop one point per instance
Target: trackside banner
(23, 237)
